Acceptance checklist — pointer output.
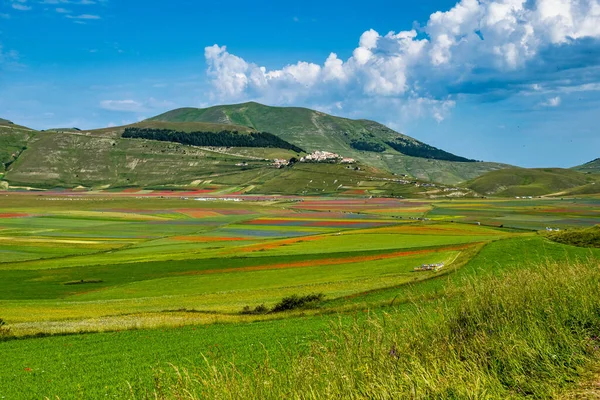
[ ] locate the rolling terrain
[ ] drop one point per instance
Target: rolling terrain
(512, 182)
(590, 167)
(103, 293)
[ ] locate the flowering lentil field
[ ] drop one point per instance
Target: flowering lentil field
(100, 288)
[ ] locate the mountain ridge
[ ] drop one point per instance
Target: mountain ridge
(109, 157)
(249, 114)
(589, 167)
(365, 140)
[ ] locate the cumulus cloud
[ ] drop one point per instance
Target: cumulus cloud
(482, 47)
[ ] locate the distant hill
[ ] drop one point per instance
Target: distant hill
(592, 167)
(5, 122)
(368, 141)
(531, 182)
(62, 130)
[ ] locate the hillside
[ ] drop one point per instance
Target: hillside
(590, 167)
(13, 141)
(530, 182)
(55, 159)
(246, 138)
(368, 141)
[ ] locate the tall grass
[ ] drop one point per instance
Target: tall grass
(529, 333)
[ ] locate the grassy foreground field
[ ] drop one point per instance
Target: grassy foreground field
(160, 280)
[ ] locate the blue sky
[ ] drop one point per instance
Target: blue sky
(515, 81)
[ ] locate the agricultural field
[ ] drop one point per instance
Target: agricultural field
(129, 281)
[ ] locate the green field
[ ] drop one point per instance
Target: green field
(102, 289)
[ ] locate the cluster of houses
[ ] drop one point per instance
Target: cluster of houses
(280, 163)
(430, 267)
(420, 184)
(548, 229)
(316, 156)
(326, 156)
(523, 197)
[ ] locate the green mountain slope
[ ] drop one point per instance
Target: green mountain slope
(530, 182)
(13, 141)
(591, 167)
(370, 142)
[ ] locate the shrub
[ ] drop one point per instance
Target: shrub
(4, 330)
(294, 302)
(261, 309)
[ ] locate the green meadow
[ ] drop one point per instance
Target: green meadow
(103, 293)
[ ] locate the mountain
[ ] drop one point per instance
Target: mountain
(367, 141)
(231, 148)
(533, 182)
(592, 167)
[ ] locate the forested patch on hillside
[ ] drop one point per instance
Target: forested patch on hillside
(367, 146)
(424, 151)
(220, 139)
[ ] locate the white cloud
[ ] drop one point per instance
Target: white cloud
(84, 16)
(552, 102)
(476, 47)
(21, 6)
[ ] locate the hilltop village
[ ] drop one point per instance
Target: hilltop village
(316, 156)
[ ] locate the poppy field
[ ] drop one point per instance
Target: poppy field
(165, 277)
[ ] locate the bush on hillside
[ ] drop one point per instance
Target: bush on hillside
(4, 330)
(260, 309)
(294, 302)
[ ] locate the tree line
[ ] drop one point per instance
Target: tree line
(423, 150)
(212, 139)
